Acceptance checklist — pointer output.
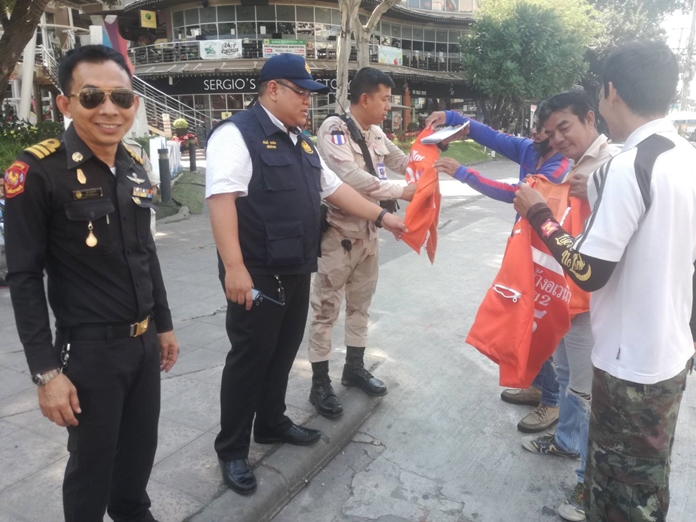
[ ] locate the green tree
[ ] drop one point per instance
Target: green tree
(578, 16)
(525, 56)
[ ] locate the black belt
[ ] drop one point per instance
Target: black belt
(106, 332)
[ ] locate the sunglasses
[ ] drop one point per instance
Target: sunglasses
(91, 97)
(302, 93)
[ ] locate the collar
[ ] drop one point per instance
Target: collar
(77, 151)
(594, 150)
(644, 131)
(271, 124)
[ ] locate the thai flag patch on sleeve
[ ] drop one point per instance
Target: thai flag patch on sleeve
(338, 138)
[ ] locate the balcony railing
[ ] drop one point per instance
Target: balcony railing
(174, 52)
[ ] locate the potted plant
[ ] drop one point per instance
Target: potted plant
(180, 126)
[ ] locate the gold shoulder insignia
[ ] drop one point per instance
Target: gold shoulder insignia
(134, 155)
(44, 149)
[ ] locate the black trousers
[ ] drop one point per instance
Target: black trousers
(113, 447)
(264, 341)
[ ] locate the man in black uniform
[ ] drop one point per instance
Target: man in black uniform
(265, 213)
(79, 208)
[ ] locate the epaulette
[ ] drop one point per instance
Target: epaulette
(134, 155)
(43, 149)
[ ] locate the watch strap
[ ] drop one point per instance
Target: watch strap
(378, 221)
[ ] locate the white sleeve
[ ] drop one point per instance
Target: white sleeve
(329, 180)
(228, 163)
(617, 211)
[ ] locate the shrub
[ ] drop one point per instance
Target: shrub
(412, 126)
(180, 123)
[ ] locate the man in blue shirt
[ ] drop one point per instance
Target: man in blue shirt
(534, 156)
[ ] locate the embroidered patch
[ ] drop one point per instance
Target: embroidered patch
(338, 138)
(549, 227)
(307, 148)
(15, 178)
(306, 67)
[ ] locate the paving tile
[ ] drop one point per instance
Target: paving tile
(14, 382)
(170, 504)
(172, 437)
(197, 360)
(197, 406)
(35, 422)
(198, 334)
(23, 453)
(39, 497)
(6, 428)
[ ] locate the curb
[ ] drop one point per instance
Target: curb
(284, 473)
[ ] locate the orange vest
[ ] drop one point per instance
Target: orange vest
(528, 309)
(423, 212)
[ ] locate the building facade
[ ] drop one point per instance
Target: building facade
(207, 55)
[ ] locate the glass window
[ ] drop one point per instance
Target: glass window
(396, 31)
(336, 17)
(453, 48)
(452, 5)
(417, 45)
(417, 34)
(246, 29)
(266, 29)
(427, 5)
(191, 16)
(414, 3)
(208, 15)
(406, 33)
(454, 36)
(202, 102)
(178, 18)
(265, 12)
(441, 48)
(218, 101)
(305, 29)
(385, 40)
(209, 30)
(396, 42)
(322, 15)
(429, 47)
(386, 29)
(186, 100)
(227, 29)
(286, 28)
(235, 102)
(321, 31)
(441, 36)
(406, 44)
(429, 35)
(438, 5)
(305, 14)
(226, 13)
(246, 13)
(285, 13)
(193, 30)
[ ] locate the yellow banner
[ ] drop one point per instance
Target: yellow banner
(148, 19)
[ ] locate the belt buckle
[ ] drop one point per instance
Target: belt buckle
(140, 328)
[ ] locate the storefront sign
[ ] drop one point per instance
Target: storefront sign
(220, 49)
(148, 19)
(390, 55)
(274, 47)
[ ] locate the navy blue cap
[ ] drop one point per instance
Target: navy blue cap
(293, 68)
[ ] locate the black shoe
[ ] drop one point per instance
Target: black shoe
(324, 399)
(296, 435)
(238, 476)
(355, 374)
(322, 395)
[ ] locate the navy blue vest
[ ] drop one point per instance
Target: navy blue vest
(279, 226)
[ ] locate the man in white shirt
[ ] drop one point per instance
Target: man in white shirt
(636, 253)
(264, 185)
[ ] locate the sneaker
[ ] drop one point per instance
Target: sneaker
(530, 396)
(546, 445)
(541, 419)
(573, 509)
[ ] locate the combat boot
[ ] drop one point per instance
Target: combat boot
(322, 395)
(355, 373)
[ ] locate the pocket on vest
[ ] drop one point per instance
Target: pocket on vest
(285, 244)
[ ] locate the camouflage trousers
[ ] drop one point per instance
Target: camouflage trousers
(630, 444)
(351, 271)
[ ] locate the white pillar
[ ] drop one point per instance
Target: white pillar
(27, 79)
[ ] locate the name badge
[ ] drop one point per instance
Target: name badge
(382, 171)
(88, 193)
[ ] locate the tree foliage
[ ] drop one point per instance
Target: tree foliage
(578, 16)
(525, 56)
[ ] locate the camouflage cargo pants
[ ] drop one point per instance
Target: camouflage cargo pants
(630, 443)
(352, 272)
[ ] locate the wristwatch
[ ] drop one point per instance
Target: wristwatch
(378, 221)
(41, 379)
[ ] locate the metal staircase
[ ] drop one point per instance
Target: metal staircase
(156, 102)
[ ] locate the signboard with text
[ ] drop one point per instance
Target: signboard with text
(148, 19)
(274, 47)
(220, 49)
(390, 55)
